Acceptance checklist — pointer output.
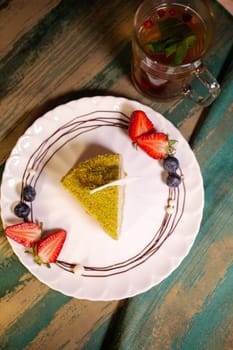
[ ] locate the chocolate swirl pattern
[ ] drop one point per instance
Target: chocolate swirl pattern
(72, 130)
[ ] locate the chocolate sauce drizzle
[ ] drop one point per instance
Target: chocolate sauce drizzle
(73, 129)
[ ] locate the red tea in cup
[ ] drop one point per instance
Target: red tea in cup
(170, 41)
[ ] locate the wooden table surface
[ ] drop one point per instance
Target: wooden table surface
(55, 51)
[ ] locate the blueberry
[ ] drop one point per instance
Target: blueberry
(173, 180)
(22, 210)
(29, 193)
(171, 164)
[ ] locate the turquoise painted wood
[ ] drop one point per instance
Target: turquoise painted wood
(47, 59)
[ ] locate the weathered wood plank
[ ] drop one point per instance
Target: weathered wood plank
(54, 51)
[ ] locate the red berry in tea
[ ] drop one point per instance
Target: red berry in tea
(172, 12)
(161, 13)
(148, 24)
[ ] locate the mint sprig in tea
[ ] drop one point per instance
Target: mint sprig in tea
(173, 35)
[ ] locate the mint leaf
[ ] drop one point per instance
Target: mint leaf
(181, 52)
(156, 46)
(161, 46)
(190, 41)
(170, 49)
(174, 27)
(182, 48)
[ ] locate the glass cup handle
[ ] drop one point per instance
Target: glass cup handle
(204, 88)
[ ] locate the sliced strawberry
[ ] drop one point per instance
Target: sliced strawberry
(48, 249)
(139, 124)
(26, 233)
(157, 144)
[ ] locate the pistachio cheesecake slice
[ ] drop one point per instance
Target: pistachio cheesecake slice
(105, 205)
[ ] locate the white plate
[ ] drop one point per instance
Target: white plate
(61, 138)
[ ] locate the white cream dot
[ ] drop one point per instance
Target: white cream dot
(169, 210)
(31, 171)
(171, 202)
(78, 269)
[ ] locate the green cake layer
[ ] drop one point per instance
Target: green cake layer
(104, 205)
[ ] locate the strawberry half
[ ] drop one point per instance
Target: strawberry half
(157, 145)
(47, 250)
(139, 124)
(26, 233)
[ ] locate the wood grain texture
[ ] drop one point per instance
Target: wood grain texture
(227, 4)
(54, 51)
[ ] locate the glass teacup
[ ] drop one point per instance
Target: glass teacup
(170, 41)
